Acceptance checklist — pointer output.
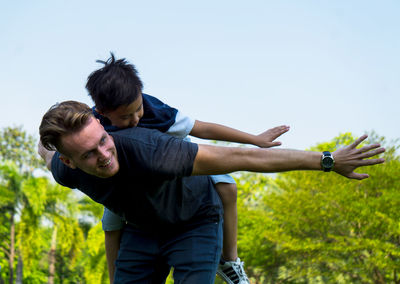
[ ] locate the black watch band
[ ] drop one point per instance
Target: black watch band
(327, 161)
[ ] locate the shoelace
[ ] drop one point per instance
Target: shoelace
(240, 269)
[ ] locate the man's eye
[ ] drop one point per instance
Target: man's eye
(88, 155)
(103, 140)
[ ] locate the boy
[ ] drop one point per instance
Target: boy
(116, 91)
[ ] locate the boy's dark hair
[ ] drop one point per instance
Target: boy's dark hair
(116, 84)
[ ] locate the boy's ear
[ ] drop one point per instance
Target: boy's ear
(66, 161)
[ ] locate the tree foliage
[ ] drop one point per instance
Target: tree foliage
(39, 218)
(294, 227)
(320, 227)
(18, 146)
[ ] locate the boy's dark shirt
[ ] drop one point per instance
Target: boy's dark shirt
(153, 189)
(156, 115)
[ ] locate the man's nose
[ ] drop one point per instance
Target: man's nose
(103, 153)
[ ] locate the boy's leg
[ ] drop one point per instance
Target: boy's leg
(228, 195)
(231, 269)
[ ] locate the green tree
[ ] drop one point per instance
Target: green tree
(61, 213)
(254, 221)
(320, 227)
(18, 146)
(94, 257)
(18, 160)
(10, 192)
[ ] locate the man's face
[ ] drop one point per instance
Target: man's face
(92, 150)
(126, 115)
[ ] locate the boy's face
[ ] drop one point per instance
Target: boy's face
(126, 115)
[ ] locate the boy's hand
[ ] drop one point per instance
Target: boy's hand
(265, 139)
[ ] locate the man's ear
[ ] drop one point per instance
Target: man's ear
(66, 161)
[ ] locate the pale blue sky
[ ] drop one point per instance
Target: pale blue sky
(322, 67)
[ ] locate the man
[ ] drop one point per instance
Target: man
(157, 183)
(117, 91)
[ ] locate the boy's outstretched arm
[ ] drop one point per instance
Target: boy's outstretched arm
(213, 131)
(221, 160)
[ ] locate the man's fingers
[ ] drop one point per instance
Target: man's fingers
(370, 162)
(358, 141)
(369, 147)
(372, 153)
(354, 175)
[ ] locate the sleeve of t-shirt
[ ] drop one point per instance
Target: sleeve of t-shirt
(174, 157)
(182, 127)
(150, 152)
(111, 221)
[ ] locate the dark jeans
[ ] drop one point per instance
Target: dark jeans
(194, 254)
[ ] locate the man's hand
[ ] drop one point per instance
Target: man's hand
(46, 155)
(348, 158)
(266, 139)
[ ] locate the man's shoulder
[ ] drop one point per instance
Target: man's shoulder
(136, 133)
(150, 141)
(138, 137)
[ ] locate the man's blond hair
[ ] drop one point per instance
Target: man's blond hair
(63, 119)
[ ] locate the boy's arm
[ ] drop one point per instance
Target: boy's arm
(213, 131)
(220, 160)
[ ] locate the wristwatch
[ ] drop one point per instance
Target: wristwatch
(327, 161)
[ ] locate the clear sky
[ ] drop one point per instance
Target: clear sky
(322, 67)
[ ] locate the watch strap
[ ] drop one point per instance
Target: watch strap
(324, 155)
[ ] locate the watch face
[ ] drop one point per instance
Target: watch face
(327, 162)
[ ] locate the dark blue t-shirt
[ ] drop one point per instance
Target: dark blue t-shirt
(153, 189)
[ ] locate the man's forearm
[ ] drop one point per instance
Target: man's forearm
(220, 160)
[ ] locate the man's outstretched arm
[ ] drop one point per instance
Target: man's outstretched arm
(219, 160)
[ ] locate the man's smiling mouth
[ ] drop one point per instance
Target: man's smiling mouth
(106, 164)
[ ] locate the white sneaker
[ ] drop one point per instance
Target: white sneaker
(233, 272)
